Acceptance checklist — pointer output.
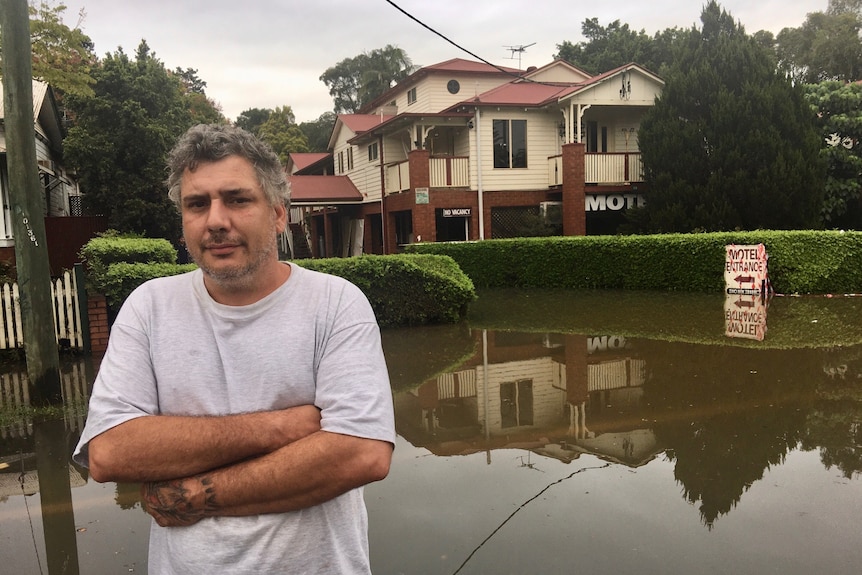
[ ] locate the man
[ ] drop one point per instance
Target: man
(250, 397)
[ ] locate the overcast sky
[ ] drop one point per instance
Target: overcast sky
(268, 53)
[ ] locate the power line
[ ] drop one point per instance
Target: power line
(430, 29)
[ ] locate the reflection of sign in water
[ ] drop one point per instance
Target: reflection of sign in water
(745, 269)
(745, 316)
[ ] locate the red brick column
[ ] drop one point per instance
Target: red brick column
(424, 223)
(97, 312)
(574, 196)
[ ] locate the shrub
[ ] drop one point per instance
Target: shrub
(799, 261)
(405, 289)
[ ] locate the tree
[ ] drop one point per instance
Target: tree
(730, 144)
(282, 134)
(252, 119)
(355, 82)
(614, 45)
(838, 108)
(62, 56)
(318, 132)
(826, 47)
(121, 137)
(203, 109)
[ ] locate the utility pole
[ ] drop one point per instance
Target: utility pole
(28, 221)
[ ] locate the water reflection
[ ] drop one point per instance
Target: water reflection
(559, 421)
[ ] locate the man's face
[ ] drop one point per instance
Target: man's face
(228, 224)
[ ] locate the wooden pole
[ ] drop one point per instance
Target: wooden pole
(25, 196)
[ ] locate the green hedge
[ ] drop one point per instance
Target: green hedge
(122, 278)
(405, 289)
(799, 262)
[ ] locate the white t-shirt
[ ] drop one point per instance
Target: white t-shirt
(175, 351)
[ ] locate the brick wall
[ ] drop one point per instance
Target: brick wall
(97, 312)
(574, 199)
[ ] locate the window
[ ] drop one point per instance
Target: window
(411, 95)
(516, 403)
(340, 162)
(372, 152)
(510, 143)
(350, 158)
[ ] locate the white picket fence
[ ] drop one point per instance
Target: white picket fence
(67, 316)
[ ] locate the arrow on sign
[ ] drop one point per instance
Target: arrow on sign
(744, 279)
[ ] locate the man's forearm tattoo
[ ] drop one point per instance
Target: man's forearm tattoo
(170, 502)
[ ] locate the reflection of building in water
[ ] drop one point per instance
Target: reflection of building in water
(558, 395)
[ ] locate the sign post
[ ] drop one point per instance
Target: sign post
(746, 284)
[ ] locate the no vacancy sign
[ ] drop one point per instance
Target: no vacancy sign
(745, 269)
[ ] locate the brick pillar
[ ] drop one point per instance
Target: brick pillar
(97, 312)
(424, 224)
(574, 196)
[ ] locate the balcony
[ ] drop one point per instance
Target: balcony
(444, 172)
(607, 169)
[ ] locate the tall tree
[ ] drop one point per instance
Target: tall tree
(281, 132)
(203, 109)
(730, 144)
(62, 56)
(838, 110)
(317, 132)
(120, 140)
(826, 47)
(614, 45)
(355, 82)
(252, 119)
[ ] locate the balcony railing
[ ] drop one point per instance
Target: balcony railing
(454, 171)
(397, 177)
(617, 168)
(450, 172)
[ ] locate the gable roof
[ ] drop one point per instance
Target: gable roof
(45, 113)
(322, 190)
(298, 161)
(356, 123)
(453, 66)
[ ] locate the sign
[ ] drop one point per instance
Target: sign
(745, 316)
(457, 212)
(613, 202)
(421, 195)
(745, 269)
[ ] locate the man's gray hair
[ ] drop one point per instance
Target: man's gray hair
(213, 142)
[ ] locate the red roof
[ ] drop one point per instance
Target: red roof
(459, 65)
(304, 159)
(523, 94)
(322, 190)
(358, 123)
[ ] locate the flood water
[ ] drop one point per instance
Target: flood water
(556, 432)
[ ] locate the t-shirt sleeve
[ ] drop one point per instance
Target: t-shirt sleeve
(353, 391)
(125, 386)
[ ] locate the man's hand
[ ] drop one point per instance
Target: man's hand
(178, 502)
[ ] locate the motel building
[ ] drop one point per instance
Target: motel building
(462, 150)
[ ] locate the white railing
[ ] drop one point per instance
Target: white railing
(67, 316)
(555, 171)
(398, 177)
(450, 172)
(613, 168)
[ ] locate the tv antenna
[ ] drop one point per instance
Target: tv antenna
(520, 49)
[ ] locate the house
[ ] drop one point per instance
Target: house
(464, 150)
(61, 195)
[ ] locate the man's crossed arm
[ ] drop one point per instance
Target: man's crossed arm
(248, 464)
